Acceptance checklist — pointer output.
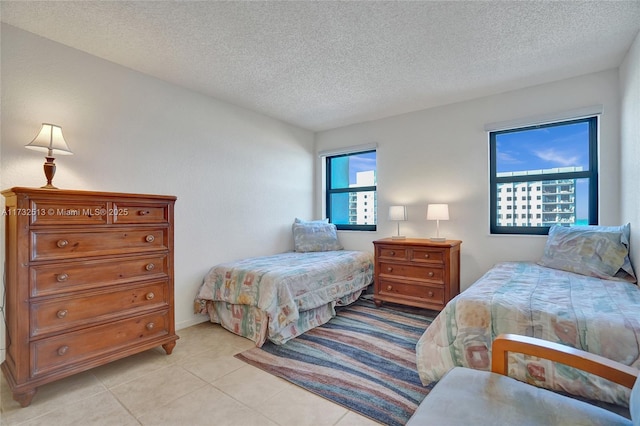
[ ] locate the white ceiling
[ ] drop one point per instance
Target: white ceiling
(326, 64)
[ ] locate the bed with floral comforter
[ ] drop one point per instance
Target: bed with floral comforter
(281, 296)
(597, 315)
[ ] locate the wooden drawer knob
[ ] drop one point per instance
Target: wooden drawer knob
(143, 212)
(426, 256)
(149, 238)
(150, 295)
(392, 253)
(389, 269)
(63, 350)
(62, 243)
(430, 294)
(430, 274)
(62, 277)
(62, 313)
(150, 326)
(150, 267)
(389, 288)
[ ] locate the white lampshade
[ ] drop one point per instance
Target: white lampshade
(50, 139)
(397, 213)
(438, 212)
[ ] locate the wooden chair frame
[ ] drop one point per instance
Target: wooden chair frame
(585, 361)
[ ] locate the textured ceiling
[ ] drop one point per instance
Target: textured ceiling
(321, 65)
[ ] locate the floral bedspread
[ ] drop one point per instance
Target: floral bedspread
(267, 295)
(592, 314)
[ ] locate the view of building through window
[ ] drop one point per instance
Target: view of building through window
(544, 175)
(540, 203)
(351, 191)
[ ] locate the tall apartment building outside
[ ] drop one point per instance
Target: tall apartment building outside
(363, 206)
(537, 203)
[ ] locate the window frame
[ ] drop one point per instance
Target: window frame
(330, 191)
(591, 174)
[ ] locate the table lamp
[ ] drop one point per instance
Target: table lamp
(50, 139)
(398, 213)
(438, 212)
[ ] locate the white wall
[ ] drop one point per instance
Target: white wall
(240, 177)
(630, 142)
(440, 155)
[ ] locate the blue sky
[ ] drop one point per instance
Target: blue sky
(545, 148)
(361, 163)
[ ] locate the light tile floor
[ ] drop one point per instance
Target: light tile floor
(200, 383)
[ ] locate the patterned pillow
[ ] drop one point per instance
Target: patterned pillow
(589, 250)
(315, 236)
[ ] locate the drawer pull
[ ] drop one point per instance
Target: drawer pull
(392, 253)
(63, 350)
(149, 238)
(150, 295)
(62, 277)
(150, 326)
(430, 274)
(389, 269)
(430, 294)
(389, 288)
(62, 243)
(150, 267)
(426, 256)
(61, 313)
(143, 212)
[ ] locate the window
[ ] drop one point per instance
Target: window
(351, 200)
(558, 161)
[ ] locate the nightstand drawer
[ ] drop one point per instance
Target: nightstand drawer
(73, 348)
(66, 313)
(67, 245)
(396, 253)
(433, 274)
(427, 256)
(427, 294)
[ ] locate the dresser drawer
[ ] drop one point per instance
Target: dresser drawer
(47, 245)
(433, 274)
(427, 256)
(426, 294)
(59, 278)
(390, 252)
(125, 213)
(65, 313)
(54, 353)
(50, 212)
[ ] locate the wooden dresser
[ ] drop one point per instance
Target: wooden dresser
(417, 272)
(89, 279)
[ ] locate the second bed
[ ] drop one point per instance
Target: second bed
(280, 297)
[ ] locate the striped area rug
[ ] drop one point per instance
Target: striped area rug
(363, 359)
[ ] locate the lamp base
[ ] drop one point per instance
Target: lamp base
(49, 171)
(398, 237)
(438, 239)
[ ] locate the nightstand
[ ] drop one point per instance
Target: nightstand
(416, 272)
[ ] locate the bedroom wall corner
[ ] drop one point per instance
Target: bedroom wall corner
(240, 177)
(630, 146)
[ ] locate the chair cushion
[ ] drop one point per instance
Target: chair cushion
(472, 397)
